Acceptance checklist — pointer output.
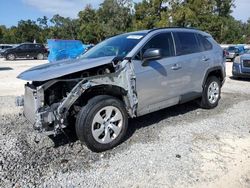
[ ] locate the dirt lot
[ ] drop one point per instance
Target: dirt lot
(182, 146)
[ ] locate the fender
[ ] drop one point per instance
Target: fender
(210, 70)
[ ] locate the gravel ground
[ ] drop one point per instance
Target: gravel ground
(182, 146)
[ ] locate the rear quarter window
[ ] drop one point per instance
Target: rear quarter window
(24, 46)
(206, 45)
(231, 48)
(38, 46)
(186, 43)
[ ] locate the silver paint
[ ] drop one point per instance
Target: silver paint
(61, 68)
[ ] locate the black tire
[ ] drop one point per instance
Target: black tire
(11, 57)
(205, 102)
(85, 120)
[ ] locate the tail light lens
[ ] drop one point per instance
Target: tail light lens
(225, 53)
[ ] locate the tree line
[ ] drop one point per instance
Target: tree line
(119, 16)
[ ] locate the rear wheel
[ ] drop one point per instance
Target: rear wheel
(40, 56)
(211, 93)
(102, 123)
(11, 57)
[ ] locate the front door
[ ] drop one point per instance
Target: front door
(22, 50)
(158, 82)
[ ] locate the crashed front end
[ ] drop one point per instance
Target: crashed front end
(33, 103)
(42, 116)
(49, 110)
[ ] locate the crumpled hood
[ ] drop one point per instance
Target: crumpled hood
(60, 68)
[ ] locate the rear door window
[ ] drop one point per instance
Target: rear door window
(30, 46)
(23, 47)
(186, 43)
(38, 46)
(163, 41)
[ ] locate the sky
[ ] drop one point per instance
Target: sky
(11, 11)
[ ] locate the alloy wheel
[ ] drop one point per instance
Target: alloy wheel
(107, 124)
(213, 92)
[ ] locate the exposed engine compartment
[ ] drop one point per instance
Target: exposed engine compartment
(48, 104)
(63, 85)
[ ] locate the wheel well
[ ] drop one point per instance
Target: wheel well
(111, 90)
(10, 53)
(6, 56)
(217, 73)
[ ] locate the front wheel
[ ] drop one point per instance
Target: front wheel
(211, 93)
(102, 123)
(11, 57)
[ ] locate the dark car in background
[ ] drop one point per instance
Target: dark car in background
(234, 51)
(26, 50)
(5, 46)
(241, 66)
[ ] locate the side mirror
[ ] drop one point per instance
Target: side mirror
(152, 54)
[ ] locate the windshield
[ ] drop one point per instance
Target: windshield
(119, 45)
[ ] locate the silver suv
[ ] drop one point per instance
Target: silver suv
(123, 77)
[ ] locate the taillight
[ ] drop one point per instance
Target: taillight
(225, 53)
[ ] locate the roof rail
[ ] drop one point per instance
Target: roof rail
(151, 30)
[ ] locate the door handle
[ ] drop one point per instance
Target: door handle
(205, 58)
(176, 67)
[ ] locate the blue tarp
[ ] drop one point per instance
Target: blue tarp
(64, 49)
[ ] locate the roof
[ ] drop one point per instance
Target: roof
(28, 43)
(173, 28)
(161, 28)
(189, 29)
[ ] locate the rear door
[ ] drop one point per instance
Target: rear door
(193, 61)
(209, 58)
(31, 50)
